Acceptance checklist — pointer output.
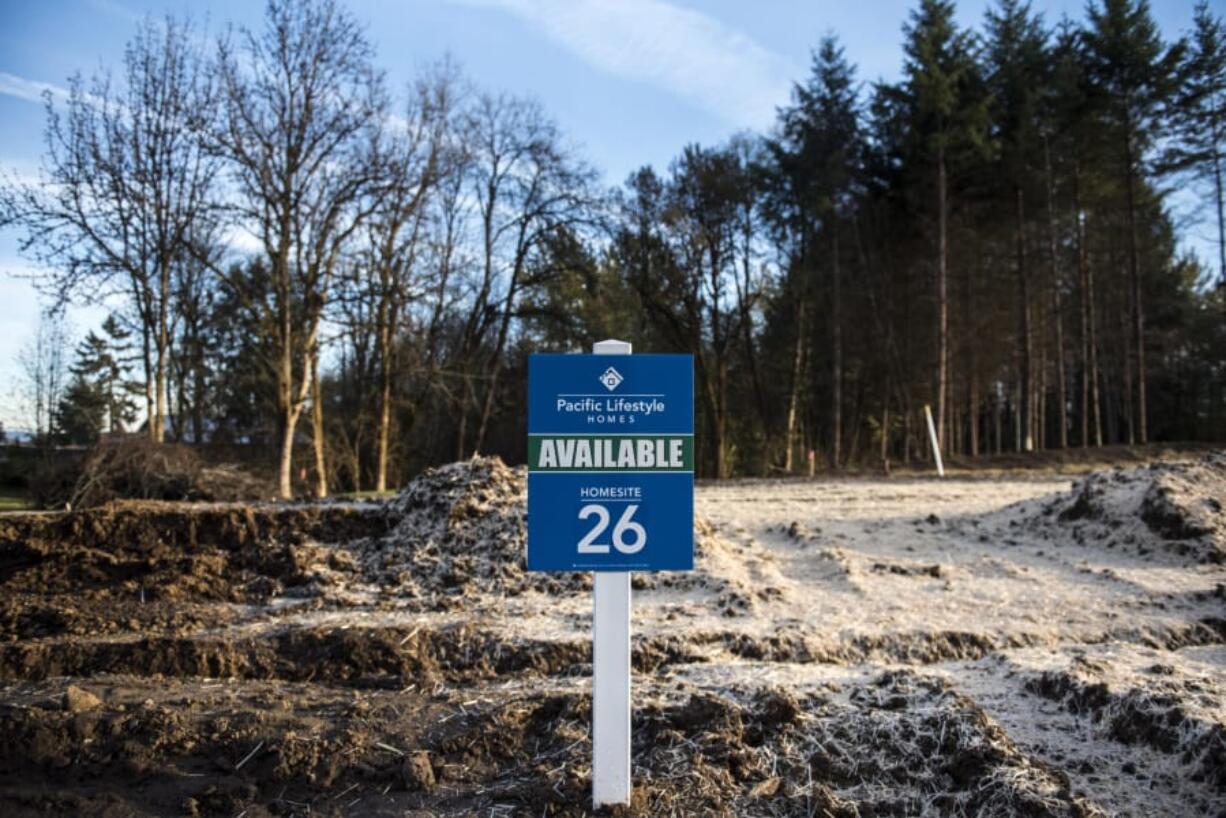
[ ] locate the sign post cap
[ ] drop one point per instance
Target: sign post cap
(611, 346)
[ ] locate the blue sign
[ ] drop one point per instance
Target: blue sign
(610, 462)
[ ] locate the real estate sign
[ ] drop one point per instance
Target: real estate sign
(610, 462)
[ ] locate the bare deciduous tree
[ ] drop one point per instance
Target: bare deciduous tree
(394, 275)
(526, 186)
(44, 371)
(125, 187)
(302, 107)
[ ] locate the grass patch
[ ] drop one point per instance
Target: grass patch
(13, 502)
(370, 494)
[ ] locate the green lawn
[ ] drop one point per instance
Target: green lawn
(12, 502)
(365, 495)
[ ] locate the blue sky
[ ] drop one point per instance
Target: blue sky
(630, 81)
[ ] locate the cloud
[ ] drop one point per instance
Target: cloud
(116, 9)
(680, 50)
(12, 85)
(242, 240)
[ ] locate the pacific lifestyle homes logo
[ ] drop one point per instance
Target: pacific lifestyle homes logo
(611, 379)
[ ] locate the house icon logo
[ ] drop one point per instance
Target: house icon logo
(611, 379)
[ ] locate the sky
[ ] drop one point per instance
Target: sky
(631, 82)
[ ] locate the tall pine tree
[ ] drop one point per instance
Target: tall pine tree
(1132, 74)
(946, 114)
(1017, 73)
(1199, 117)
(819, 157)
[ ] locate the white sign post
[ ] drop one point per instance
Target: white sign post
(932, 437)
(610, 490)
(611, 670)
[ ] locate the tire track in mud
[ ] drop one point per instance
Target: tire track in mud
(891, 746)
(390, 657)
(1129, 751)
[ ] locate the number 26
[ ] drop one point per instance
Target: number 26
(625, 524)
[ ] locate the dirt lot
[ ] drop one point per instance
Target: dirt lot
(1020, 644)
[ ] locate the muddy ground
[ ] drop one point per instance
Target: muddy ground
(1026, 644)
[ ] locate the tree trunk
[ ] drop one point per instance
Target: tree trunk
(1057, 300)
(1090, 404)
(973, 410)
(836, 398)
(794, 397)
(386, 333)
(751, 352)
(1025, 347)
(972, 367)
(1125, 398)
(906, 438)
(198, 388)
(163, 349)
(1040, 393)
(1221, 216)
(466, 401)
(159, 414)
(998, 422)
(1138, 314)
(942, 297)
(1083, 288)
(288, 407)
(317, 428)
(285, 482)
(151, 428)
(721, 425)
(1018, 398)
(885, 431)
(385, 422)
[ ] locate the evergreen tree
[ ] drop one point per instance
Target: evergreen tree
(1199, 117)
(819, 158)
(1017, 73)
(1132, 74)
(80, 415)
(104, 363)
(1072, 127)
(946, 112)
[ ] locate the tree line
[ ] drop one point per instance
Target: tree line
(311, 265)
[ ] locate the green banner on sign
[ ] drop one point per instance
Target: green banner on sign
(611, 453)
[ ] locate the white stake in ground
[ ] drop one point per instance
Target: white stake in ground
(611, 670)
(932, 436)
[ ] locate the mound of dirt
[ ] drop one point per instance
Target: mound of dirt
(135, 468)
(138, 566)
(454, 537)
(1153, 713)
(901, 746)
(456, 531)
(461, 530)
(1174, 508)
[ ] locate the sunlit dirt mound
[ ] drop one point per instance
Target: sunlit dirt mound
(455, 531)
(1173, 508)
(461, 529)
(1153, 708)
